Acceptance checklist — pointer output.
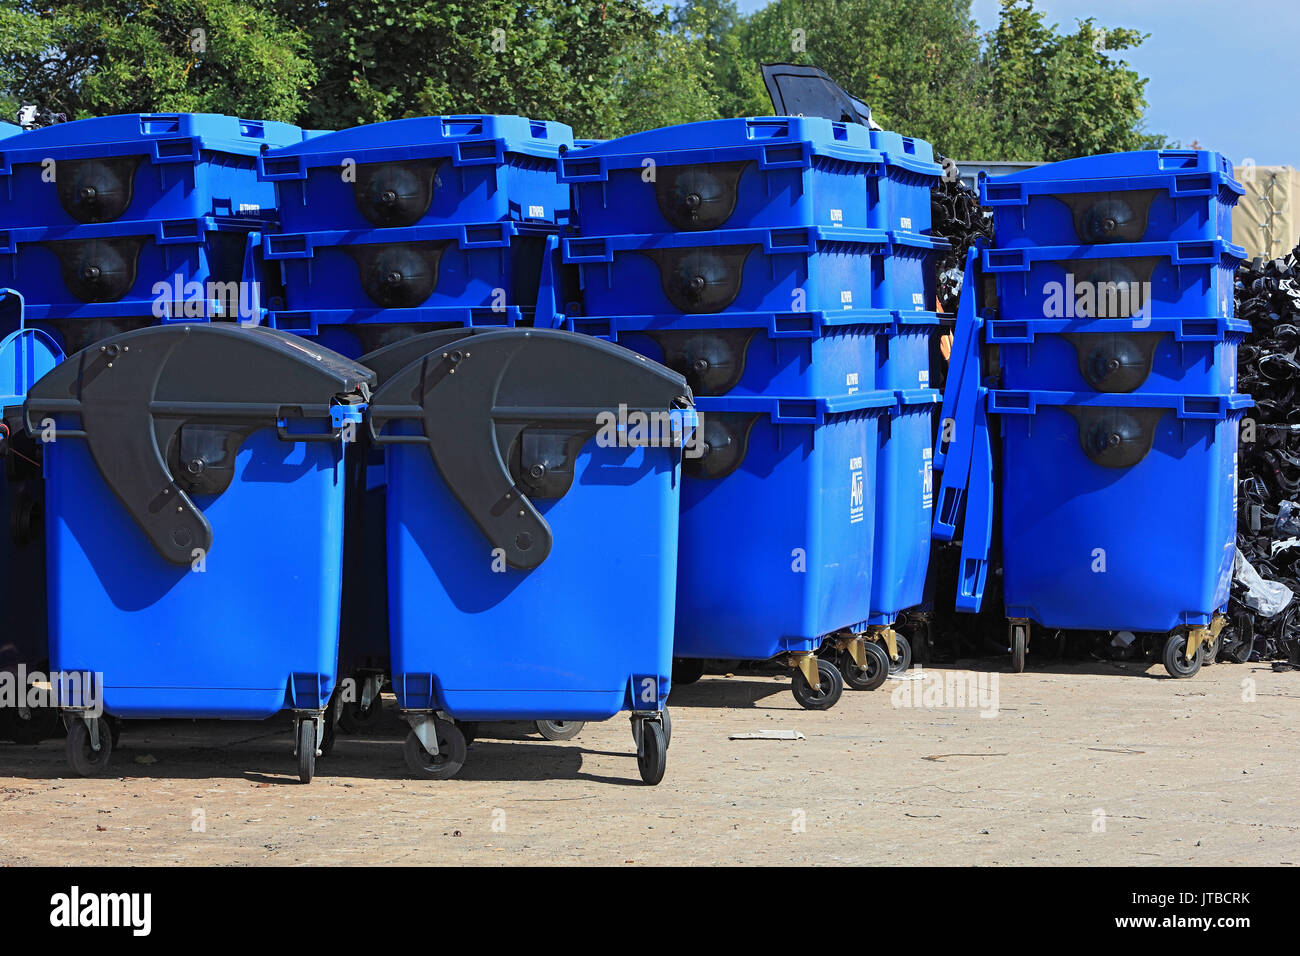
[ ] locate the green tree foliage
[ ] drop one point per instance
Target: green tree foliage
(1026, 90)
(916, 62)
(1081, 102)
(604, 68)
(97, 57)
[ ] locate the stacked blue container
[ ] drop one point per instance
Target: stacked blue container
(415, 225)
(127, 221)
(1117, 357)
(389, 231)
(780, 264)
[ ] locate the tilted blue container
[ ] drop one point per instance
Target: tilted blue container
(753, 270)
(760, 172)
(139, 166)
(1118, 511)
(516, 475)
(804, 354)
(427, 170)
(910, 173)
(130, 269)
(1148, 196)
(1189, 356)
(1165, 280)
(904, 503)
(495, 265)
(167, 603)
(777, 524)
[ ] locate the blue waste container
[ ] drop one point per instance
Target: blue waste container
(25, 355)
(9, 129)
(137, 167)
(1146, 196)
(910, 173)
(426, 170)
(1118, 511)
(803, 354)
(493, 266)
(1163, 280)
(1190, 356)
(903, 351)
(181, 463)
(181, 268)
(754, 270)
(777, 533)
(533, 484)
(760, 172)
(904, 504)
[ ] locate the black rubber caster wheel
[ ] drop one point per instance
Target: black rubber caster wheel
(41, 723)
(559, 729)
(306, 750)
(872, 675)
(831, 686)
(904, 647)
(668, 728)
(1175, 658)
(83, 759)
(652, 759)
(449, 759)
(355, 719)
(1018, 635)
(687, 670)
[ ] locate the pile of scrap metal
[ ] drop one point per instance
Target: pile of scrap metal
(1263, 614)
(957, 217)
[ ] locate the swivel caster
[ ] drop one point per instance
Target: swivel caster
(446, 763)
(830, 685)
(82, 755)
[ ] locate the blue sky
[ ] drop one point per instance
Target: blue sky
(1220, 74)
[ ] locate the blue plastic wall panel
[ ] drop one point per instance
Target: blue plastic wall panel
(131, 268)
(139, 166)
(767, 172)
(806, 354)
(485, 266)
(776, 546)
(230, 642)
(1192, 356)
(904, 503)
(450, 611)
(754, 270)
(1165, 280)
(423, 171)
(1119, 511)
(1147, 196)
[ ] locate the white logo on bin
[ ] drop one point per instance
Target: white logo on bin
(923, 377)
(918, 299)
(846, 298)
(857, 491)
(536, 212)
(837, 217)
(851, 382)
(927, 479)
(905, 223)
